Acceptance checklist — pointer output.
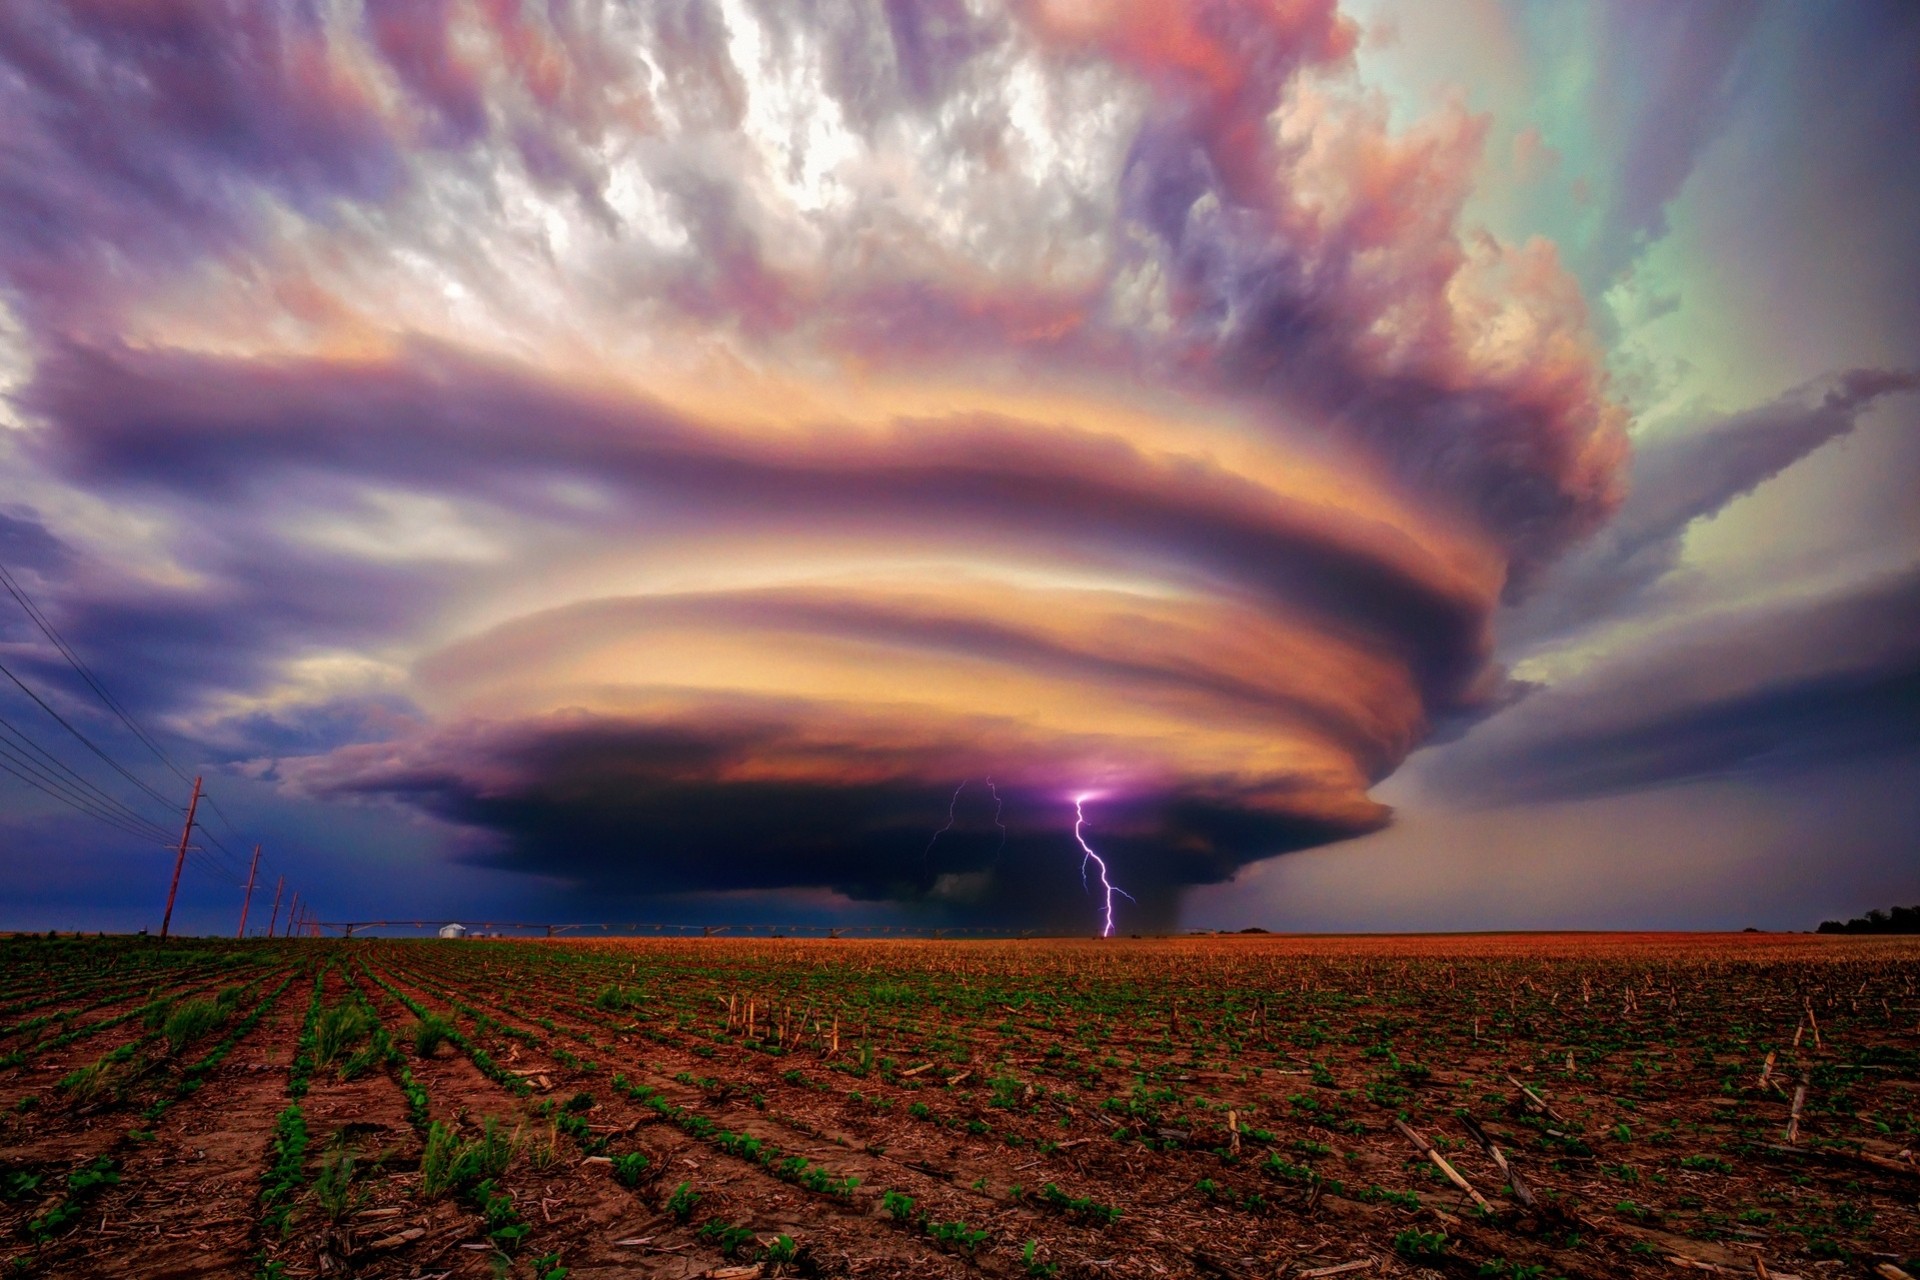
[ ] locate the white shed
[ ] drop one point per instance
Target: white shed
(453, 931)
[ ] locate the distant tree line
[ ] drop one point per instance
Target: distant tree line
(1898, 920)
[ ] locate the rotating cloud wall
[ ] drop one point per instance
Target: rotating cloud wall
(680, 445)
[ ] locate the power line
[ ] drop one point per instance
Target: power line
(92, 813)
(232, 869)
(212, 868)
(221, 814)
(54, 786)
(40, 620)
(74, 780)
(87, 742)
(81, 793)
(59, 642)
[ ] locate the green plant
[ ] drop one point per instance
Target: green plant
(442, 1160)
(54, 1221)
(339, 1029)
(284, 1174)
(18, 1184)
(781, 1250)
(83, 1084)
(82, 1185)
(504, 1225)
(1417, 1245)
(493, 1150)
(334, 1189)
(1093, 1211)
(1405, 1199)
(544, 1153)
(416, 1095)
(729, 1238)
(630, 1168)
(191, 1021)
(683, 1201)
(569, 1121)
(1280, 1167)
(1030, 1255)
(958, 1234)
(428, 1033)
(1506, 1269)
(899, 1204)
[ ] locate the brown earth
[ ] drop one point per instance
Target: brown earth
(1162, 1107)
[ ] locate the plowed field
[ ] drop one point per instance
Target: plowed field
(1509, 1106)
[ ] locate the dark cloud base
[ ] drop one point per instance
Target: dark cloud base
(1773, 693)
(1783, 730)
(633, 813)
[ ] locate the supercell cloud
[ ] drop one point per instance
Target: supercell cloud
(675, 446)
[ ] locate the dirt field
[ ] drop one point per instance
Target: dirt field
(1246, 1106)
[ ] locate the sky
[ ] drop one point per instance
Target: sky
(1368, 466)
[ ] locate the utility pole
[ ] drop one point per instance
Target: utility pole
(293, 910)
(246, 903)
(278, 885)
(193, 807)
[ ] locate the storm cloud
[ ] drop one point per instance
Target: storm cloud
(1766, 691)
(1691, 476)
(682, 445)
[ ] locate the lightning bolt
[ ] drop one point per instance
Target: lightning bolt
(926, 865)
(1107, 886)
(997, 804)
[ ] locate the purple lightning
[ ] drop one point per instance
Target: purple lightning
(997, 805)
(1079, 821)
(926, 866)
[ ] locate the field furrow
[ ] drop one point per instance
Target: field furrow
(1502, 1107)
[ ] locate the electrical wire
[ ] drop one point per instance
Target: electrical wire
(80, 793)
(221, 814)
(73, 780)
(207, 864)
(234, 861)
(40, 620)
(92, 813)
(33, 611)
(85, 741)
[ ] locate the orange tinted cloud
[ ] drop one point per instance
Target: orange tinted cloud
(739, 426)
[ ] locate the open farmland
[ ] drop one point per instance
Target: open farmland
(1226, 1107)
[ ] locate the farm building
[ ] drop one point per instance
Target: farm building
(453, 931)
